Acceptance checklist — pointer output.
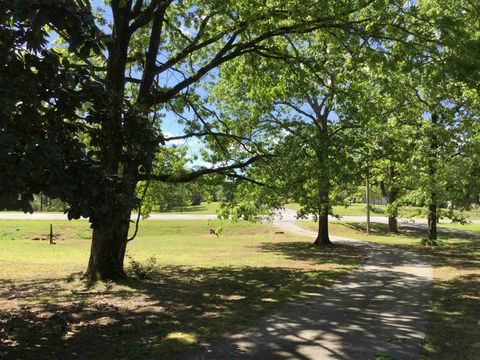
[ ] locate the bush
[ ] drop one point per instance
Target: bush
(143, 271)
(431, 242)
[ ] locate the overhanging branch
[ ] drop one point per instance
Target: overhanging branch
(195, 174)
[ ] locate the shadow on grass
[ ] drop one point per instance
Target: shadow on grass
(187, 208)
(460, 253)
(180, 307)
(412, 230)
(381, 229)
(416, 231)
(305, 251)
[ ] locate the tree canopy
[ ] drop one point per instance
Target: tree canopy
(283, 95)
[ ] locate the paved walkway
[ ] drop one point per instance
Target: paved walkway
(381, 308)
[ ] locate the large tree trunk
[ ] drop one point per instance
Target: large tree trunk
(323, 237)
(108, 252)
(109, 238)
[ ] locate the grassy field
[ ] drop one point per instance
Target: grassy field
(380, 210)
(454, 328)
(352, 210)
(202, 287)
(360, 210)
(203, 209)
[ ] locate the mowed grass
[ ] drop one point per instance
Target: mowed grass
(381, 210)
(203, 287)
(351, 210)
(454, 328)
(205, 208)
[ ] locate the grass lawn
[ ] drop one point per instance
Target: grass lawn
(204, 208)
(381, 210)
(454, 328)
(203, 287)
(359, 210)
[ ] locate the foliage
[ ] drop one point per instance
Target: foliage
(298, 114)
(98, 95)
(145, 270)
(299, 98)
(40, 94)
(431, 242)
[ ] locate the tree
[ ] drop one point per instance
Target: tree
(443, 101)
(305, 96)
(40, 94)
(143, 59)
(390, 135)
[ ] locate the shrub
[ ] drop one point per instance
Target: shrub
(431, 242)
(143, 271)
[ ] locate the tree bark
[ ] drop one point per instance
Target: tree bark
(392, 218)
(323, 236)
(107, 252)
(322, 151)
(432, 171)
(392, 224)
(109, 237)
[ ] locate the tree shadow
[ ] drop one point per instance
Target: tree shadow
(460, 253)
(340, 254)
(382, 229)
(413, 230)
(180, 307)
(187, 209)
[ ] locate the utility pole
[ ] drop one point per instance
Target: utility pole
(367, 197)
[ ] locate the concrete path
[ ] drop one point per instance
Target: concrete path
(382, 308)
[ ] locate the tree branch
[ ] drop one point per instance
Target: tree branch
(193, 175)
(232, 50)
